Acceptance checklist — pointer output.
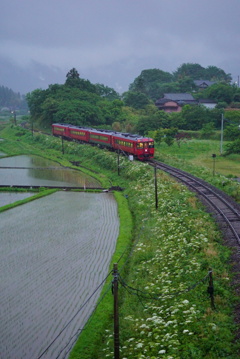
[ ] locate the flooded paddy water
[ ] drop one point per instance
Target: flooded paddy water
(55, 251)
(37, 171)
(11, 197)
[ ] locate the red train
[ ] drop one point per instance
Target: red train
(140, 147)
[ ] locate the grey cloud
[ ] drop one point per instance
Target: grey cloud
(112, 41)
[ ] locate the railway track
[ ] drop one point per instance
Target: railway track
(224, 208)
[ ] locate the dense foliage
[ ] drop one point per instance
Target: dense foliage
(197, 72)
(78, 102)
(154, 82)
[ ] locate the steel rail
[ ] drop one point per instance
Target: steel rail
(179, 174)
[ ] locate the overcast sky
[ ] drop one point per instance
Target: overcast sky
(111, 42)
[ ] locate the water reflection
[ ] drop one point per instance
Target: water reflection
(11, 197)
(37, 171)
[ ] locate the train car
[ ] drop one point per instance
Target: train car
(59, 129)
(140, 147)
(70, 132)
(78, 133)
(100, 137)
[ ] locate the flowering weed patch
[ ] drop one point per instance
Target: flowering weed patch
(167, 311)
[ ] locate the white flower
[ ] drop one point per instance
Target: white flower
(139, 345)
(162, 351)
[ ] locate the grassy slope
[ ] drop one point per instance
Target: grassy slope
(199, 153)
(172, 250)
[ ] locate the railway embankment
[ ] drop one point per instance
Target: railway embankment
(168, 306)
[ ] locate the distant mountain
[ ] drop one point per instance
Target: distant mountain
(26, 79)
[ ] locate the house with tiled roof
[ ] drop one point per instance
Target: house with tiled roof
(207, 103)
(173, 102)
(203, 84)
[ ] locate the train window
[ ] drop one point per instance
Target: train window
(139, 145)
(79, 133)
(151, 144)
(124, 143)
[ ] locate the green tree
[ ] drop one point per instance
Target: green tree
(35, 100)
(136, 100)
(220, 92)
(233, 147)
(73, 80)
(186, 84)
(152, 123)
(148, 82)
(48, 110)
(214, 73)
(107, 92)
(207, 130)
(169, 140)
(194, 71)
(195, 117)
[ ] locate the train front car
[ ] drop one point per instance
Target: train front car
(144, 148)
(140, 147)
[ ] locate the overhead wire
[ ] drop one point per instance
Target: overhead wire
(147, 295)
(78, 311)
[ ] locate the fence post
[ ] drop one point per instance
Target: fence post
(116, 316)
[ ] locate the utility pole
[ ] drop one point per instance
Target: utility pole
(156, 190)
(115, 309)
(214, 158)
(221, 143)
(62, 146)
(118, 163)
(15, 117)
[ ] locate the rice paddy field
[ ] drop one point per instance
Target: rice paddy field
(54, 253)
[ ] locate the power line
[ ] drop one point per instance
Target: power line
(146, 295)
(69, 322)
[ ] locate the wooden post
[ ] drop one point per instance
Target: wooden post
(214, 158)
(156, 190)
(62, 146)
(115, 307)
(118, 164)
(32, 127)
(15, 117)
(211, 289)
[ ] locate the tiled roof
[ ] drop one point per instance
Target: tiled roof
(179, 97)
(200, 83)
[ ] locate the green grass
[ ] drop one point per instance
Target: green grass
(199, 153)
(42, 193)
(163, 252)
